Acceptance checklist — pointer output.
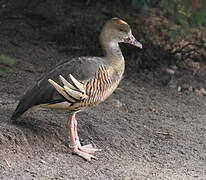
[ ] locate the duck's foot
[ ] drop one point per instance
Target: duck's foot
(85, 152)
(89, 148)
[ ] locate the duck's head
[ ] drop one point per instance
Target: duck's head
(116, 31)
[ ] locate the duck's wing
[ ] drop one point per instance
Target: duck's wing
(42, 92)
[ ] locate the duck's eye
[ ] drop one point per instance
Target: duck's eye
(122, 30)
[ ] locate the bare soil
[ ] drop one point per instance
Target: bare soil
(146, 129)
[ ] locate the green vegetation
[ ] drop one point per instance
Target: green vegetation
(186, 14)
(4, 63)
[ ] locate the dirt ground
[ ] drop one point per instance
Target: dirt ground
(147, 129)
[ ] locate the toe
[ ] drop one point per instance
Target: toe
(88, 148)
(83, 154)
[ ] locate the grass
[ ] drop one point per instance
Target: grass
(5, 62)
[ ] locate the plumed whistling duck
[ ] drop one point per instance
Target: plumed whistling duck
(82, 82)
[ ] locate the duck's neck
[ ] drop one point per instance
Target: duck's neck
(113, 55)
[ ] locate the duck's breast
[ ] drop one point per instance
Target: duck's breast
(100, 86)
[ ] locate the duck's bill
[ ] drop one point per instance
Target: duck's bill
(131, 40)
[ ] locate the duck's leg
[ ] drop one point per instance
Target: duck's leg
(74, 145)
(78, 144)
(86, 148)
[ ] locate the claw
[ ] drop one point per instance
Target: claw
(89, 149)
(85, 151)
(83, 154)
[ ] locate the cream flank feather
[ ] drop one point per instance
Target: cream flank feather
(71, 92)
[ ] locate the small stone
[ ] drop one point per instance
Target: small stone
(42, 161)
(198, 92)
(174, 67)
(170, 71)
(190, 88)
(179, 88)
(116, 103)
(202, 91)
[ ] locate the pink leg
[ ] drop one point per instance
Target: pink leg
(75, 146)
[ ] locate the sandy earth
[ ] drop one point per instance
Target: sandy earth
(145, 130)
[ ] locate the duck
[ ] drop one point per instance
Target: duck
(81, 83)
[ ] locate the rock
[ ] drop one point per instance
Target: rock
(116, 103)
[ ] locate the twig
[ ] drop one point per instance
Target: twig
(7, 163)
(201, 46)
(164, 133)
(186, 53)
